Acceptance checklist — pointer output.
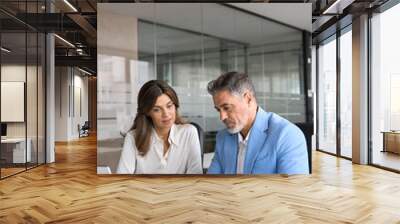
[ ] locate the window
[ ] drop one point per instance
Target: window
(327, 96)
(346, 93)
(385, 88)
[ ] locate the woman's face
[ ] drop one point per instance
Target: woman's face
(163, 112)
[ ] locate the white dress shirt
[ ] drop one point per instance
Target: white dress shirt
(242, 152)
(182, 157)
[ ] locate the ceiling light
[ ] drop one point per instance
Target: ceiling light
(338, 6)
(331, 7)
(5, 50)
(64, 40)
(70, 5)
(86, 72)
(79, 51)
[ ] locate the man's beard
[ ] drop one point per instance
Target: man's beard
(236, 129)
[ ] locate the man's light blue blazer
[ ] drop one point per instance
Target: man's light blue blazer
(275, 146)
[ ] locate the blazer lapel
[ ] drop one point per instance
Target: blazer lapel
(254, 146)
(258, 136)
(231, 153)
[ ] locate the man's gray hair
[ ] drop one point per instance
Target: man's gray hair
(235, 82)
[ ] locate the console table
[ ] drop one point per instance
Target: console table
(391, 141)
(13, 150)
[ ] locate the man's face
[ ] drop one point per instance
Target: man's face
(233, 110)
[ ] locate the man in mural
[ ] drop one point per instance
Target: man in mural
(254, 141)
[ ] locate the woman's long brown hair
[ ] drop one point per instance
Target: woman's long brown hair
(147, 98)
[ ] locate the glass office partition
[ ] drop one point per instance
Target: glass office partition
(13, 95)
(283, 71)
(327, 96)
(22, 91)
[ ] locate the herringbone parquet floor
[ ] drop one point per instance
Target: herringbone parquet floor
(69, 191)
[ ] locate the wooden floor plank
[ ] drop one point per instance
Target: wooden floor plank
(70, 191)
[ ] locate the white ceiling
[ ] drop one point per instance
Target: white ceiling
(215, 19)
(211, 19)
(295, 14)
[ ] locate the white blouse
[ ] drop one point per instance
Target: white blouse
(182, 157)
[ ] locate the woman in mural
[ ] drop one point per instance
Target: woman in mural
(159, 142)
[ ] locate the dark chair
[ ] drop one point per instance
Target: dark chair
(200, 132)
(84, 130)
(308, 130)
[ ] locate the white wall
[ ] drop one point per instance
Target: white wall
(79, 117)
(17, 73)
(61, 103)
(33, 106)
(67, 115)
(14, 73)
